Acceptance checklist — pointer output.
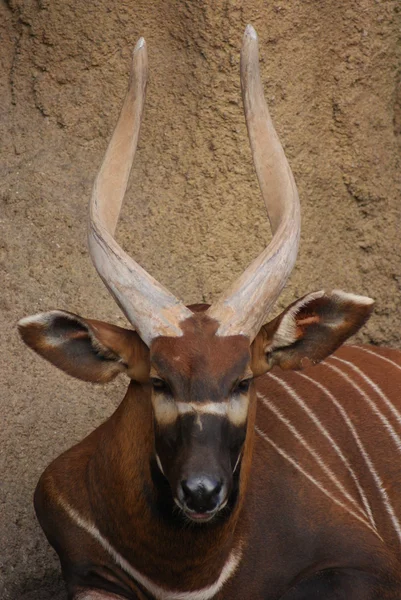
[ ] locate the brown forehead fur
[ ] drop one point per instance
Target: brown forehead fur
(199, 362)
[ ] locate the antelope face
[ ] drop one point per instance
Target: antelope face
(201, 388)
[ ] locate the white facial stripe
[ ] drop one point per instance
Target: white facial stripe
(207, 408)
(235, 410)
(166, 410)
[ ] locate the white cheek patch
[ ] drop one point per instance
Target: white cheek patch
(237, 410)
(165, 409)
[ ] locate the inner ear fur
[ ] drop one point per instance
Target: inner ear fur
(85, 348)
(309, 330)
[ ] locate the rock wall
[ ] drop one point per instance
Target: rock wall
(193, 216)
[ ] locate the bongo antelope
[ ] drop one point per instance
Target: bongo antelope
(235, 467)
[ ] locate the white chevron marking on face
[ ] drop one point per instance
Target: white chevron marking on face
(203, 408)
(166, 410)
(235, 409)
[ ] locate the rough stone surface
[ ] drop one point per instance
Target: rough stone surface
(193, 216)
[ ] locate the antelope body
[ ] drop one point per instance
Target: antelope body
(236, 467)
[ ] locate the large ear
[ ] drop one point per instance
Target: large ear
(87, 349)
(309, 330)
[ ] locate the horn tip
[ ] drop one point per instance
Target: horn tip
(250, 32)
(140, 44)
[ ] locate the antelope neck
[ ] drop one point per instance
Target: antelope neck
(135, 509)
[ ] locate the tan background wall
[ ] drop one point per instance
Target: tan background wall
(193, 216)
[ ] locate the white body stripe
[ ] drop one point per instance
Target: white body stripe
(386, 500)
(357, 439)
(270, 405)
(387, 425)
(155, 590)
(312, 479)
(314, 418)
(377, 355)
(374, 386)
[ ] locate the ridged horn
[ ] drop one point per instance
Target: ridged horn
(244, 307)
(150, 307)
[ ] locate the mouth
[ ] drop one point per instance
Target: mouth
(199, 517)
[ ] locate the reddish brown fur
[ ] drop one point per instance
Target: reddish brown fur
(201, 356)
(297, 543)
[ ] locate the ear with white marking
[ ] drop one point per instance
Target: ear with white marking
(309, 330)
(84, 348)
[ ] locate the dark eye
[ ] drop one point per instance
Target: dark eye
(241, 387)
(160, 386)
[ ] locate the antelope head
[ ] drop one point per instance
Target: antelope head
(197, 365)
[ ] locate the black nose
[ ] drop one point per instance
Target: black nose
(201, 494)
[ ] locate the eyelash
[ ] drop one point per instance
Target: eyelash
(242, 386)
(160, 386)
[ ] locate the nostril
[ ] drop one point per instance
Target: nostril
(201, 494)
(218, 487)
(215, 487)
(186, 488)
